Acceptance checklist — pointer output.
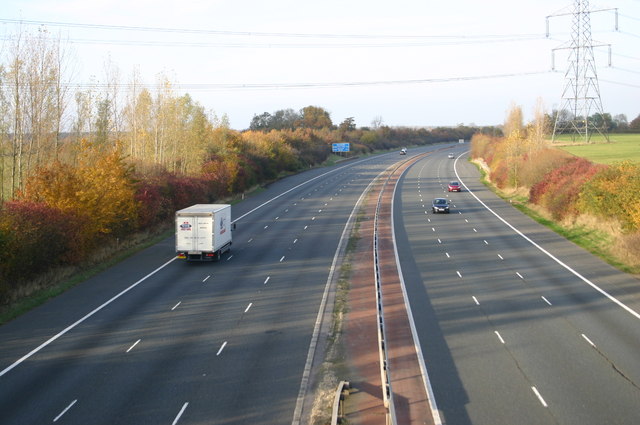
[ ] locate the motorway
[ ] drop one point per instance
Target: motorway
(513, 329)
(509, 335)
(154, 340)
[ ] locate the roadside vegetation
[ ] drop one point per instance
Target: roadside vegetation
(595, 204)
(85, 171)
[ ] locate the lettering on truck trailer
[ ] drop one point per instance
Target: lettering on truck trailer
(185, 226)
(223, 227)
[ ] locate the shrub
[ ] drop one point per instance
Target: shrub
(558, 191)
(536, 166)
(615, 191)
(35, 237)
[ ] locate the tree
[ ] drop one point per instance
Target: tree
(100, 188)
(513, 122)
(635, 123)
(279, 120)
(515, 141)
(349, 124)
(260, 122)
(284, 119)
(315, 117)
(620, 121)
(602, 121)
(103, 122)
(538, 129)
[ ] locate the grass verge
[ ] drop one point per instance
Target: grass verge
(596, 241)
(71, 276)
(335, 364)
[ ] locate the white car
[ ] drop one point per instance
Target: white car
(451, 156)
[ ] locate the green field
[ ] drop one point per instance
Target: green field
(620, 148)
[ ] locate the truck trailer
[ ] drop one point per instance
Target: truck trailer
(203, 232)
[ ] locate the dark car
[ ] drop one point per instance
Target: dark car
(455, 187)
(440, 205)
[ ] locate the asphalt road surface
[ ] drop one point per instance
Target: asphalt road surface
(514, 329)
(509, 335)
(155, 340)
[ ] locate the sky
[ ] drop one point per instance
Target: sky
(415, 63)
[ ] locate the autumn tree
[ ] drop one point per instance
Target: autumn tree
(315, 117)
(99, 188)
(538, 129)
(34, 100)
(515, 141)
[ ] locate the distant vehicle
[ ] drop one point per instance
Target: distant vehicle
(440, 205)
(203, 232)
(403, 151)
(451, 156)
(455, 187)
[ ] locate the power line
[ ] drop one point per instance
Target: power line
(278, 86)
(261, 34)
(620, 84)
(267, 45)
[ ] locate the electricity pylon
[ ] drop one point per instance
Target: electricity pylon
(581, 112)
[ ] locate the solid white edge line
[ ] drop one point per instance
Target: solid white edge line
(304, 382)
(300, 185)
(550, 255)
(65, 410)
(588, 340)
(414, 332)
(184, 407)
(77, 322)
(535, 391)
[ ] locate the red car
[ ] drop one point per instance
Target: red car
(455, 187)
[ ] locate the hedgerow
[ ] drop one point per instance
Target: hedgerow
(615, 192)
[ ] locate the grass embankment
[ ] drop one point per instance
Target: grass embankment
(69, 277)
(597, 241)
(594, 236)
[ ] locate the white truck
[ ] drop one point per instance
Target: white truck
(203, 232)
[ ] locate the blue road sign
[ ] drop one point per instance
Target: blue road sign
(340, 147)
